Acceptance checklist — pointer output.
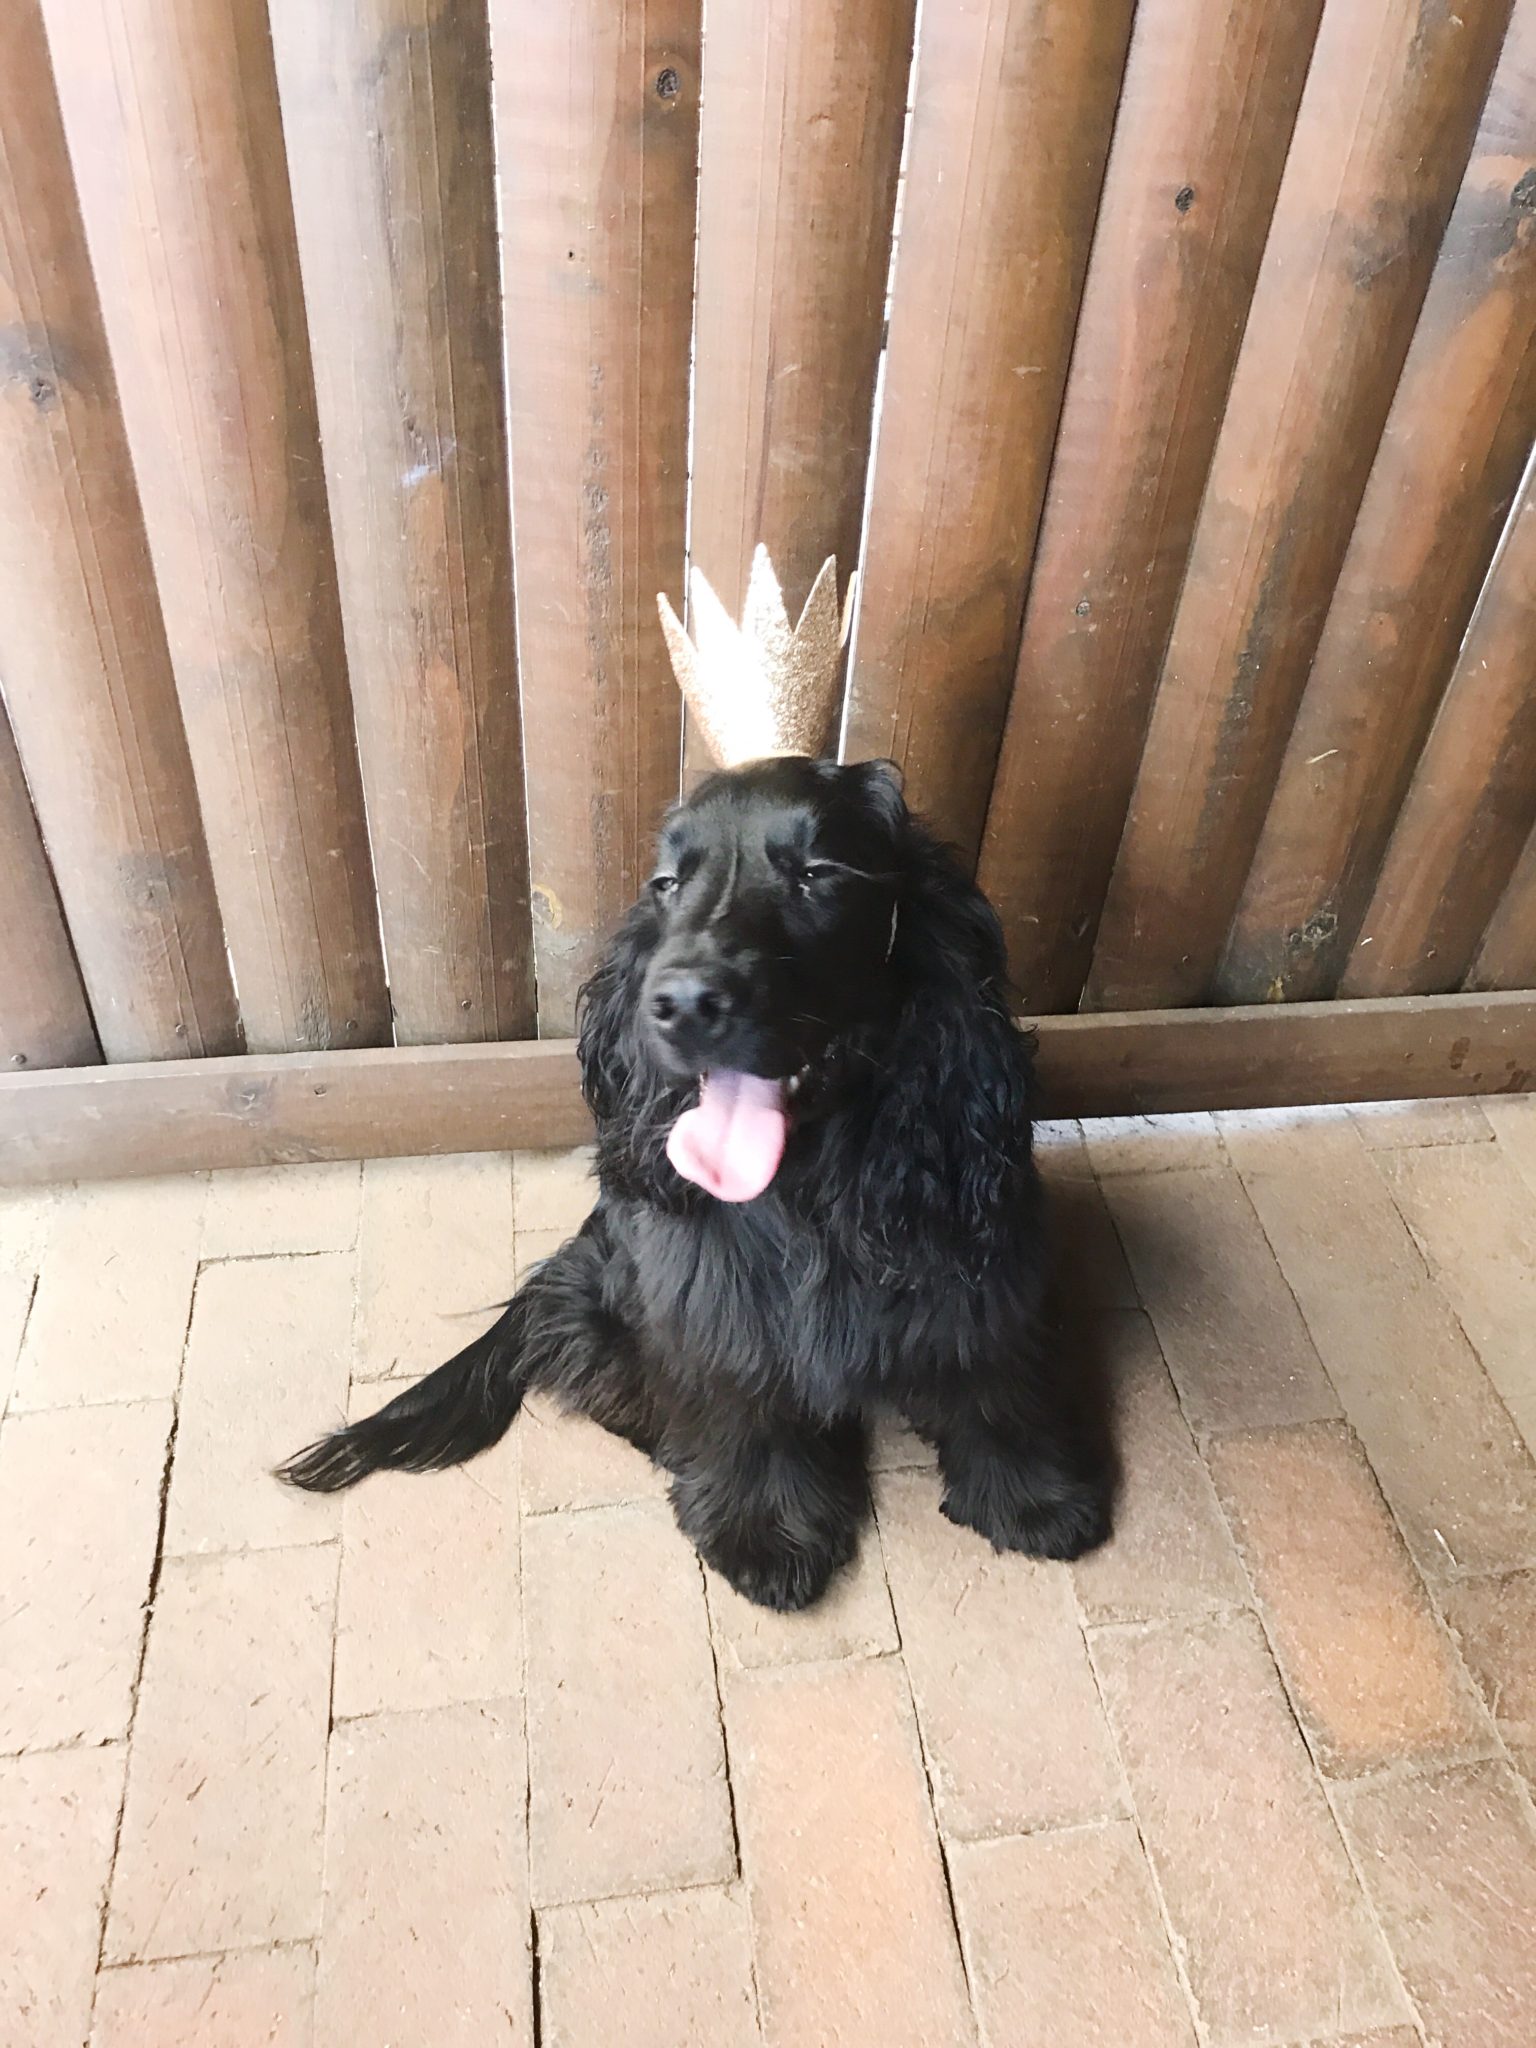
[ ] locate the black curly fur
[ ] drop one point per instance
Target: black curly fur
(898, 1256)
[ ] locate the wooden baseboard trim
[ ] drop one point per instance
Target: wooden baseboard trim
(273, 1109)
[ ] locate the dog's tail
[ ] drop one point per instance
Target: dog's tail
(463, 1407)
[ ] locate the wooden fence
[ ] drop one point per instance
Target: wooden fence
(1168, 367)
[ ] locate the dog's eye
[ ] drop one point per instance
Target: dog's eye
(663, 885)
(816, 871)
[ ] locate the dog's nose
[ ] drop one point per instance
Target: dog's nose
(696, 1001)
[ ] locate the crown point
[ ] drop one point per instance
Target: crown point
(761, 687)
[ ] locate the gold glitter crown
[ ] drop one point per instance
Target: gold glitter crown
(763, 687)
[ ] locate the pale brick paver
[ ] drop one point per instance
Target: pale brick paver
(1450, 1861)
(627, 1763)
(553, 1191)
(893, 1447)
(221, 1839)
(1254, 1139)
(1234, 1341)
(852, 1619)
(266, 1370)
(1170, 1552)
(1373, 1675)
(16, 1291)
(26, 1217)
(1464, 1495)
(427, 1932)
(110, 1315)
(1494, 1621)
(435, 1259)
(24, 1220)
(429, 1612)
(1474, 1220)
(1151, 1144)
(263, 1211)
(1388, 1126)
(287, 1877)
(532, 1247)
(850, 1918)
(1374, 2037)
(1277, 1941)
(1065, 1942)
(1061, 1150)
(569, 1461)
(58, 1814)
(255, 1998)
(1513, 1120)
(1010, 1748)
(79, 1518)
(1089, 1255)
(670, 1971)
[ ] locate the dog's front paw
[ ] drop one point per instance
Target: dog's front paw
(1063, 1523)
(777, 1575)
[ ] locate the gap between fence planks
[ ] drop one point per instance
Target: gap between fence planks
(1205, 118)
(1472, 803)
(44, 1018)
(1013, 103)
(387, 120)
(192, 1114)
(596, 111)
(1456, 442)
(170, 109)
(1386, 125)
(799, 151)
(86, 669)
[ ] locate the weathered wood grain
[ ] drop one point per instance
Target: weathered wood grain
(387, 118)
(1385, 128)
(1013, 105)
(1456, 442)
(1472, 804)
(597, 109)
(44, 1018)
(83, 655)
(800, 146)
(280, 1109)
(1205, 117)
(170, 108)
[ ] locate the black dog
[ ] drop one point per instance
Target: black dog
(808, 1001)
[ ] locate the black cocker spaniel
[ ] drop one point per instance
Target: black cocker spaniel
(817, 1196)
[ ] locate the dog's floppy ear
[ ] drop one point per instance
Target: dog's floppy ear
(608, 1006)
(948, 1151)
(879, 784)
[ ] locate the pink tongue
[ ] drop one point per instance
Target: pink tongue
(732, 1143)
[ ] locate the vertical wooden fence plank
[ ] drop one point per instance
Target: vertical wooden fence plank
(1385, 128)
(1473, 799)
(170, 107)
(1206, 112)
(1456, 441)
(86, 671)
(1013, 106)
(1507, 956)
(387, 120)
(804, 104)
(44, 1019)
(596, 108)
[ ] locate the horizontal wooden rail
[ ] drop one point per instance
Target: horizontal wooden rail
(261, 1110)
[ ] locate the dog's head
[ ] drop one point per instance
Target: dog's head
(774, 894)
(775, 901)
(802, 939)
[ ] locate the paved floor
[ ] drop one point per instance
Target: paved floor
(487, 1759)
